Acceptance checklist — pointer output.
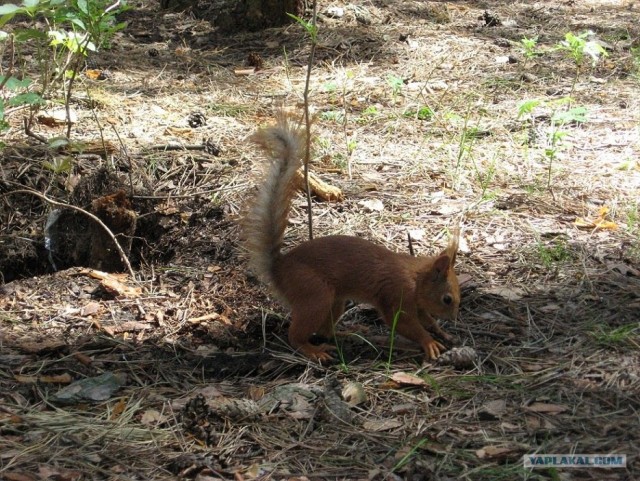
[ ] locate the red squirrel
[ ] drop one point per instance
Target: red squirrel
(317, 277)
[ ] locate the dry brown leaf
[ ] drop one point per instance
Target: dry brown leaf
(624, 269)
(17, 476)
(83, 358)
(57, 379)
(388, 384)
(26, 379)
(493, 409)
(118, 409)
(243, 72)
(600, 222)
(382, 424)
(497, 453)
(508, 293)
(546, 408)
(536, 422)
(184, 132)
(256, 392)
(131, 326)
(167, 208)
(531, 366)
(152, 417)
(214, 316)
(116, 288)
(57, 473)
(58, 116)
(90, 309)
(509, 427)
(41, 346)
(404, 378)
(113, 283)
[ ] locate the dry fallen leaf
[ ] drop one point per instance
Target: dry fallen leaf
(152, 417)
(83, 358)
(536, 422)
(244, 71)
(382, 424)
(407, 379)
(118, 409)
(18, 476)
(113, 283)
(624, 269)
(499, 453)
(41, 346)
(600, 222)
(539, 407)
(508, 293)
(58, 473)
(57, 379)
(90, 309)
(99, 388)
(493, 409)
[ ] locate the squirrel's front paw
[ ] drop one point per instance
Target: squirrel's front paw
(433, 349)
(317, 353)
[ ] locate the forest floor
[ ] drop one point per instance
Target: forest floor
(426, 113)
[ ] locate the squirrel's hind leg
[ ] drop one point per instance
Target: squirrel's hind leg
(311, 315)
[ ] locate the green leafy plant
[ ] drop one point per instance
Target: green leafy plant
(578, 47)
(369, 114)
(559, 119)
(310, 27)
(352, 144)
(529, 47)
(332, 115)
(396, 83)
(73, 29)
(21, 96)
(422, 113)
(554, 253)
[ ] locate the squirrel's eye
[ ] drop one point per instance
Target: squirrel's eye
(447, 299)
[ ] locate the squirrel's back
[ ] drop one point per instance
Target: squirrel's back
(266, 221)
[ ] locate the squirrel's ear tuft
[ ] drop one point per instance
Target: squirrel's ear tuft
(454, 242)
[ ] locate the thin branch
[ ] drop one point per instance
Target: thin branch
(112, 7)
(31, 133)
(307, 118)
(410, 240)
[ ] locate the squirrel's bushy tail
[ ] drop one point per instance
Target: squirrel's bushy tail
(266, 221)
